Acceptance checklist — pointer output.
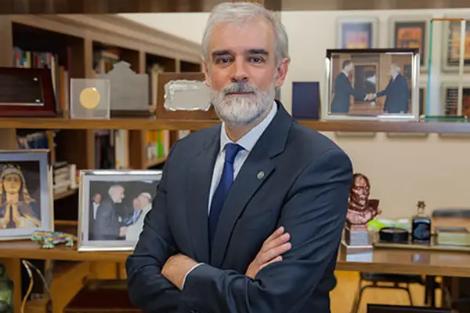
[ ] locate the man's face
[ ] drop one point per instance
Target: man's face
(118, 194)
(97, 198)
(349, 68)
(393, 70)
(242, 71)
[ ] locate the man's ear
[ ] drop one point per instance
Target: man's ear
(281, 71)
(205, 70)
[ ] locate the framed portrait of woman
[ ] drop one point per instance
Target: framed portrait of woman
(25, 193)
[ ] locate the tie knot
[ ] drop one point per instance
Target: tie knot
(231, 150)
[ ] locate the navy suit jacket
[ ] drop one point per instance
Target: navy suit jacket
(304, 188)
(343, 91)
(397, 93)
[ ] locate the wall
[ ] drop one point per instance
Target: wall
(403, 169)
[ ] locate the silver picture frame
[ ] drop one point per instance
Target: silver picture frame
(25, 178)
(371, 84)
(112, 207)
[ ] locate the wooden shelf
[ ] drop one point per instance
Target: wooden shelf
(154, 162)
(115, 123)
(153, 123)
(388, 126)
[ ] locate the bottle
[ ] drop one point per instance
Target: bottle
(421, 225)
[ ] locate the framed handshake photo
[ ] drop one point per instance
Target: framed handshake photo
(112, 207)
(372, 84)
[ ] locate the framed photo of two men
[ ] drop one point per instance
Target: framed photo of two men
(25, 193)
(372, 84)
(112, 207)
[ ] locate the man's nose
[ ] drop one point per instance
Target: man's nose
(239, 73)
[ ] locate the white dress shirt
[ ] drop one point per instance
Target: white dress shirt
(247, 142)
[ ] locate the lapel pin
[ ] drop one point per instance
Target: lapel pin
(260, 175)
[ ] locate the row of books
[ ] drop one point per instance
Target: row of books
(111, 149)
(64, 177)
(60, 75)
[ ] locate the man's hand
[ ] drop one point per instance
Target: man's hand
(176, 267)
(271, 251)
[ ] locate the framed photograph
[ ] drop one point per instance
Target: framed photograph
(112, 207)
(411, 32)
(25, 193)
(450, 99)
(357, 33)
(26, 92)
(373, 84)
(451, 45)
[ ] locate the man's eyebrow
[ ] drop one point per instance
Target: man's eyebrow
(258, 51)
(220, 52)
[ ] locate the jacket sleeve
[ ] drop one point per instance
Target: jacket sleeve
(314, 214)
(148, 289)
(386, 91)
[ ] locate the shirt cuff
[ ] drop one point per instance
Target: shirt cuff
(187, 273)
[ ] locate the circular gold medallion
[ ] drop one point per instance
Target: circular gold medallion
(90, 98)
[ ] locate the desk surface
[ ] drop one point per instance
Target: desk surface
(397, 261)
(439, 263)
(26, 249)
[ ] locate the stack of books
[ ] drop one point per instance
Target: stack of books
(64, 177)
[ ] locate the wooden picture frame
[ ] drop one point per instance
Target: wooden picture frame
(393, 96)
(27, 172)
(449, 99)
(112, 207)
(26, 92)
(411, 32)
(451, 46)
(162, 113)
(357, 33)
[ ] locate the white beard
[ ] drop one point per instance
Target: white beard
(242, 110)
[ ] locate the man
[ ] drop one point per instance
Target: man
(343, 89)
(106, 225)
(142, 204)
(248, 214)
(95, 203)
(397, 92)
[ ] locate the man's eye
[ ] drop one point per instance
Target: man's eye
(256, 59)
(222, 60)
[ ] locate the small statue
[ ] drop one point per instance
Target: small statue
(361, 209)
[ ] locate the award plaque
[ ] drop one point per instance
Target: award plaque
(183, 96)
(89, 98)
(26, 92)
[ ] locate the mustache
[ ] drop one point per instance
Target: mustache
(239, 87)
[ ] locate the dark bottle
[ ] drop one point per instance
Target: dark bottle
(421, 225)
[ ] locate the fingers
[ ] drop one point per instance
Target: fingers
(276, 259)
(277, 241)
(273, 253)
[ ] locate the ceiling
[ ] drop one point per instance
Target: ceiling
(128, 6)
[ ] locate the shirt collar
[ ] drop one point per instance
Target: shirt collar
(249, 140)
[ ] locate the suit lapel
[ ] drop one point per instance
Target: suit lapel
(256, 170)
(198, 188)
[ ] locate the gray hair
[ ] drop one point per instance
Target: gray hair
(240, 12)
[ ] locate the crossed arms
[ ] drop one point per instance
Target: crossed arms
(313, 215)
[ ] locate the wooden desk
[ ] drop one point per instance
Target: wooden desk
(26, 249)
(438, 263)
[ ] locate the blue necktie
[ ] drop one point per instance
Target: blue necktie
(223, 188)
